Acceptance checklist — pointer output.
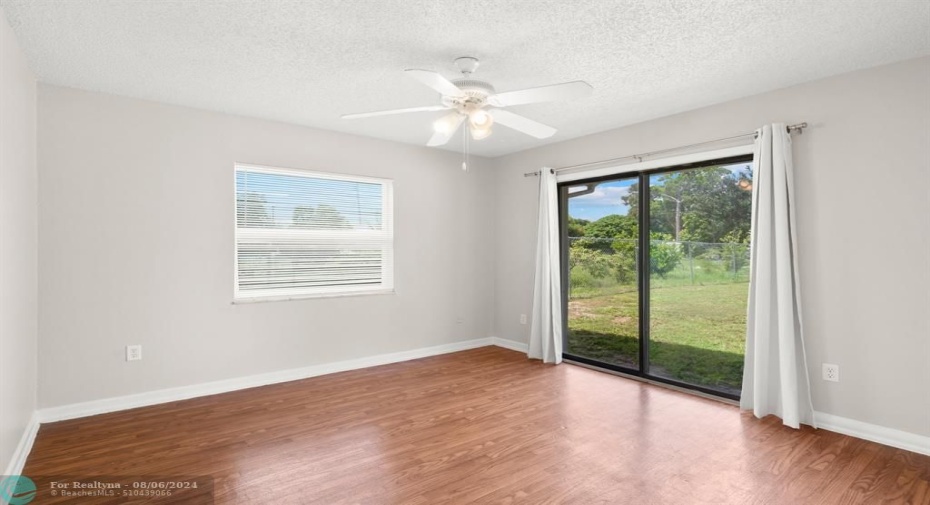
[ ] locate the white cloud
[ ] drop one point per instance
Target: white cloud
(603, 196)
(606, 199)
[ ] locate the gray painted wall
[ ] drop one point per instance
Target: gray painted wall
(863, 187)
(18, 243)
(136, 247)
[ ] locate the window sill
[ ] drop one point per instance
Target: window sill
(265, 299)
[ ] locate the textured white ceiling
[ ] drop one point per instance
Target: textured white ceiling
(310, 61)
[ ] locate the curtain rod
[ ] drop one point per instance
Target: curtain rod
(791, 128)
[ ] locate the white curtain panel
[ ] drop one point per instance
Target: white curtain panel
(546, 328)
(775, 378)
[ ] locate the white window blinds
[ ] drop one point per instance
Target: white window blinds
(311, 234)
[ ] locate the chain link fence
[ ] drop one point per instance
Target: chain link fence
(598, 263)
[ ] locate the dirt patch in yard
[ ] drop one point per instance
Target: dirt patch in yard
(578, 310)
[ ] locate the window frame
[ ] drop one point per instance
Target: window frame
(385, 235)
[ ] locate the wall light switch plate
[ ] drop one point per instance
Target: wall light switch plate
(133, 352)
(522, 318)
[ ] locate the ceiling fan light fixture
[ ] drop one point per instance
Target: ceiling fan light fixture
(480, 133)
(446, 124)
(480, 118)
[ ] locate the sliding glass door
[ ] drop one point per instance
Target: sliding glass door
(655, 268)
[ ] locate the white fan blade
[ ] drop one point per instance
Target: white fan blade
(555, 92)
(522, 124)
(439, 83)
(396, 111)
(441, 138)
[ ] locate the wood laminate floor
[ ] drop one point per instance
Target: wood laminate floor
(480, 426)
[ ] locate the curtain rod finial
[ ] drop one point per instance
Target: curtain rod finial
(797, 127)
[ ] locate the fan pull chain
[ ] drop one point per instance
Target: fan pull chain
(465, 143)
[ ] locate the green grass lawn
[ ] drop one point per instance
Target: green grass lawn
(697, 331)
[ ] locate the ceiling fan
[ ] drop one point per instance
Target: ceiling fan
(479, 103)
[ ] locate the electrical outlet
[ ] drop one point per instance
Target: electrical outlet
(522, 318)
(459, 320)
(133, 352)
(831, 372)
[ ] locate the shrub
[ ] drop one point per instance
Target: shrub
(617, 266)
(578, 277)
(595, 262)
(664, 257)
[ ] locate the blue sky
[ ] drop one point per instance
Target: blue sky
(607, 198)
(358, 202)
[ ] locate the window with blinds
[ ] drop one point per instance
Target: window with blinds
(302, 234)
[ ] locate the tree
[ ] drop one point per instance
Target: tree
(252, 211)
(321, 217)
(708, 203)
(302, 216)
(605, 246)
(601, 234)
(576, 227)
(612, 226)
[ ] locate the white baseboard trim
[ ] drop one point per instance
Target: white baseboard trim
(103, 406)
(874, 433)
(18, 461)
(879, 434)
(513, 345)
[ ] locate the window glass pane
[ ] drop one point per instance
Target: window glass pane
(603, 291)
(699, 275)
(265, 200)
